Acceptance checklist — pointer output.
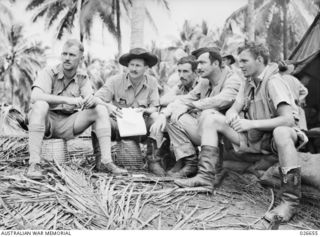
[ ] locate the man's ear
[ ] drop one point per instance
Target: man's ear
(260, 59)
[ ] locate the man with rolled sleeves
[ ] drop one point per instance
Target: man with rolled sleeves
(57, 94)
(264, 120)
(135, 89)
(215, 92)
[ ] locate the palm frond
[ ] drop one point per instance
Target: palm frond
(151, 21)
(34, 4)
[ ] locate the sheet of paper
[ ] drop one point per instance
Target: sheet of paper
(131, 123)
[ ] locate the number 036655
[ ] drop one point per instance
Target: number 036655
(308, 232)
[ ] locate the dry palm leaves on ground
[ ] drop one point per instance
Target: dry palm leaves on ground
(73, 197)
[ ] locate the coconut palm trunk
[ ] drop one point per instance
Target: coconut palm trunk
(118, 27)
(251, 21)
(137, 23)
(285, 27)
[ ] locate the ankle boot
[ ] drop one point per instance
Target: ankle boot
(189, 169)
(153, 158)
(176, 168)
(290, 198)
(209, 156)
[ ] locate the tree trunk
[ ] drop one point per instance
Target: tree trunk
(137, 24)
(79, 9)
(251, 21)
(118, 26)
(285, 28)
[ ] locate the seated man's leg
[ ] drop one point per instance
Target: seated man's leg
(210, 127)
(155, 148)
(290, 172)
(184, 135)
(102, 129)
(37, 122)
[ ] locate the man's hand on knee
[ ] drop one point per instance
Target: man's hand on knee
(159, 125)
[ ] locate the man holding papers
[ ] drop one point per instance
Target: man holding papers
(134, 89)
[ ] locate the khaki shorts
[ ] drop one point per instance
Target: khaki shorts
(266, 145)
(60, 125)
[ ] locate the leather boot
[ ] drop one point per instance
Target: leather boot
(220, 173)
(101, 167)
(177, 167)
(35, 171)
(209, 157)
(111, 168)
(290, 198)
(96, 149)
(154, 158)
(189, 169)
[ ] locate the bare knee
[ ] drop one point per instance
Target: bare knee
(283, 136)
(212, 121)
(39, 110)
(99, 112)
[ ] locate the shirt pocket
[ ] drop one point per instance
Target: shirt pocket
(120, 102)
(73, 90)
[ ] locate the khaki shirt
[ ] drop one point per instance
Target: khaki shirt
(52, 81)
(277, 89)
(119, 90)
(219, 97)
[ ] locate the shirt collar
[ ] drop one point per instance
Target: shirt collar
(60, 76)
(260, 77)
(129, 83)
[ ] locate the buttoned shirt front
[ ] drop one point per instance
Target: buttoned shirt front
(52, 81)
(120, 91)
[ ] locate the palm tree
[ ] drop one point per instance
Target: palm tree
(71, 13)
(23, 60)
(293, 17)
(139, 12)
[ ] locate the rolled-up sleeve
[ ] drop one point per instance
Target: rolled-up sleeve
(106, 92)
(279, 92)
(225, 98)
(43, 81)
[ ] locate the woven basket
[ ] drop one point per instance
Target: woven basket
(55, 149)
(127, 153)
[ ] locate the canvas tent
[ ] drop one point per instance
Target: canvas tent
(306, 57)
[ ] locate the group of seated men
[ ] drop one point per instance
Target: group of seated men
(257, 114)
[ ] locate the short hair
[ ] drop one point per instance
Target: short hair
(256, 50)
(189, 59)
(214, 55)
(72, 42)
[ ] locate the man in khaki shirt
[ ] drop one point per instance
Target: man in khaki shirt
(263, 119)
(214, 93)
(186, 68)
(135, 89)
(57, 95)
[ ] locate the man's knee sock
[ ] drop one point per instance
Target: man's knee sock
(104, 138)
(36, 133)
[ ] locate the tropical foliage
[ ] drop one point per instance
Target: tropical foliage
(294, 18)
(22, 59)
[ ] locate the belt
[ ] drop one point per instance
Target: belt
(63, 112)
